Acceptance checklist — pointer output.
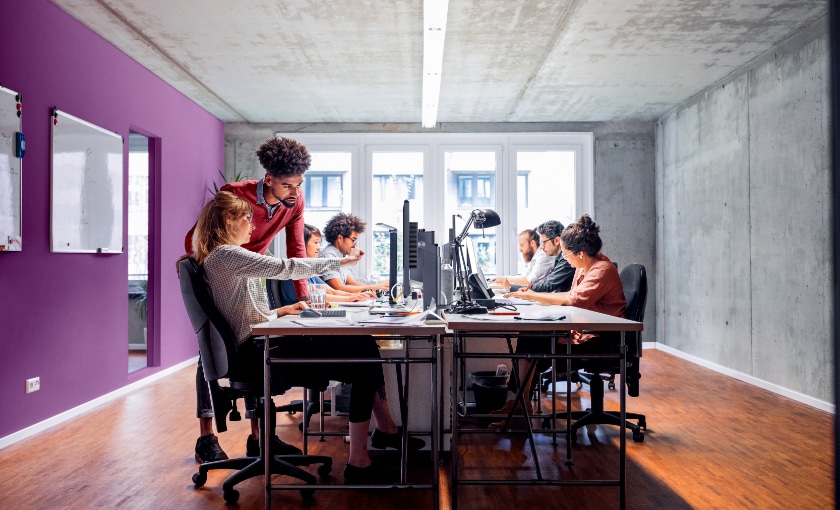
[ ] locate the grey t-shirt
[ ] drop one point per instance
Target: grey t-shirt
(331, 252)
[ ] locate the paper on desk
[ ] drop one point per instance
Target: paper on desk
(417, 318)
(361, 304)
(541, 314)
(323, 322)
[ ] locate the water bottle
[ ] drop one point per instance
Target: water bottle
(447, 282)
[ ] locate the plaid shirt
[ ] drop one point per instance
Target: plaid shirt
(233, 275)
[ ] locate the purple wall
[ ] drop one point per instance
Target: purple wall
(64, 317)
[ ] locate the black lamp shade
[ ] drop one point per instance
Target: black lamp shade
(486, 218)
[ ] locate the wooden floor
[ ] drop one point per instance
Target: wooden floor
(712, 442)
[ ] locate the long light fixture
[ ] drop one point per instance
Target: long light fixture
(434, 33)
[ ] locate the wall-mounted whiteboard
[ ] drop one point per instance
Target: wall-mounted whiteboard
(87, 187)
(10, 176)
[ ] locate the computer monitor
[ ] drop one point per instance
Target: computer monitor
(476, 282)
(409, 249)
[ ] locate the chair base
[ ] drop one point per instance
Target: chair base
(596, 415)
(249, 467)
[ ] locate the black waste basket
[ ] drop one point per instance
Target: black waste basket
(489, 390)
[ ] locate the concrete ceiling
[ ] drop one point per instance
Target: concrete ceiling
(312, 61)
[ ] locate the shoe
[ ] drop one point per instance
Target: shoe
(278, 447)
(380, 440)
(208, 449)
(371, 475)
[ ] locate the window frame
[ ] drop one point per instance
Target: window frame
(434, 145)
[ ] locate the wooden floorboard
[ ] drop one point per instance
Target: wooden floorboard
(712, 442)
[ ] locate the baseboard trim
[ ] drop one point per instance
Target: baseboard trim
(87, 406)
(775, 388)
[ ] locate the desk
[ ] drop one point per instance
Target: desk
(465, 326)
(284, 326)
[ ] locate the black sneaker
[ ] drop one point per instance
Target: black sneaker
(208, 449)
(380, 440)
(371, 475)
(278, 447)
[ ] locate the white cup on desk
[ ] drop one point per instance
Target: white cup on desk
(318, 296)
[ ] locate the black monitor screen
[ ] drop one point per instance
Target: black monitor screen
(477, 282)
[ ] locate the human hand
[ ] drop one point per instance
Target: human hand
(293, 309)
(501, 283)
(352, 258)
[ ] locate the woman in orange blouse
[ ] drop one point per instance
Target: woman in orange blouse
(596, 286)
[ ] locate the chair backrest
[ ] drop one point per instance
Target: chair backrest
(216, 340)
(634, 280)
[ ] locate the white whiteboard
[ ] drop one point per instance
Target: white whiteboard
(10, 177)
(86, 187)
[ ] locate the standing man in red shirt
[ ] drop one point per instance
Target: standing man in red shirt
(277, 203)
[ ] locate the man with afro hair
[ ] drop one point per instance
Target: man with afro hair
(342, 232)
(277, 203)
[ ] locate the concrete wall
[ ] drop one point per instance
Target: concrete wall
(624, 155)
(743, 220)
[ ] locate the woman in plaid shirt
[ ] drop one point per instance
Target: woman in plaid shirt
(233, 274)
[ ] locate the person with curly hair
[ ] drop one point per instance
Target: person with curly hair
(277, 203)
(313, 250)
(342, 232)
(596, 286)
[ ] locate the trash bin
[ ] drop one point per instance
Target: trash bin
(489, 390)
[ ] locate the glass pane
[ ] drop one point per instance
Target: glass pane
(397, 176)
(138, 250)
(315, 193)
(328, 177)
(334, 191)
(471, 184)
(546, 181)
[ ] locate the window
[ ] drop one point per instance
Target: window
(527, 178)
(323, 190)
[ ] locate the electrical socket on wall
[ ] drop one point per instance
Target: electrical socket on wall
(33, 384)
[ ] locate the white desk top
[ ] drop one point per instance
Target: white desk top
(287, 326)
(575, 318)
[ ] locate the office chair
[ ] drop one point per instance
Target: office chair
(276, 299)
(634, 280)
(218, 347)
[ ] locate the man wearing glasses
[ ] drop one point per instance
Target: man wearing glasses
(342, 232)
(559, 279)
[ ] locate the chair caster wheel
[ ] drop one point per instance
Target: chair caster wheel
(611, 385)
(639, 436)
(199, 479)
(231, 496)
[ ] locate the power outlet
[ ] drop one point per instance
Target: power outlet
(33, 384)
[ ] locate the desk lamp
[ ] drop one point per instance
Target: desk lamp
(481, 219)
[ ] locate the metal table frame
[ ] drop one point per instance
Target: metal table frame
(465, 327)
(409, 333)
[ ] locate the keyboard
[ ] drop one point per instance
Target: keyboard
(330, 312)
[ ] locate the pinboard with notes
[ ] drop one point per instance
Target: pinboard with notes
(86, 207)
(12, 146)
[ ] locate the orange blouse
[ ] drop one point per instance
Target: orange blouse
(599, 290)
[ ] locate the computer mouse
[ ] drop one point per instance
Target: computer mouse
(309, 313)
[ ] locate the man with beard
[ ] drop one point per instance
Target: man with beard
(277, 202)
(537, 263)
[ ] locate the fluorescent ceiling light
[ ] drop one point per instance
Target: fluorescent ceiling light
(434, 33)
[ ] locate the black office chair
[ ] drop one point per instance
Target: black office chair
(634, 281)
(218, 347)
(313, 404)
